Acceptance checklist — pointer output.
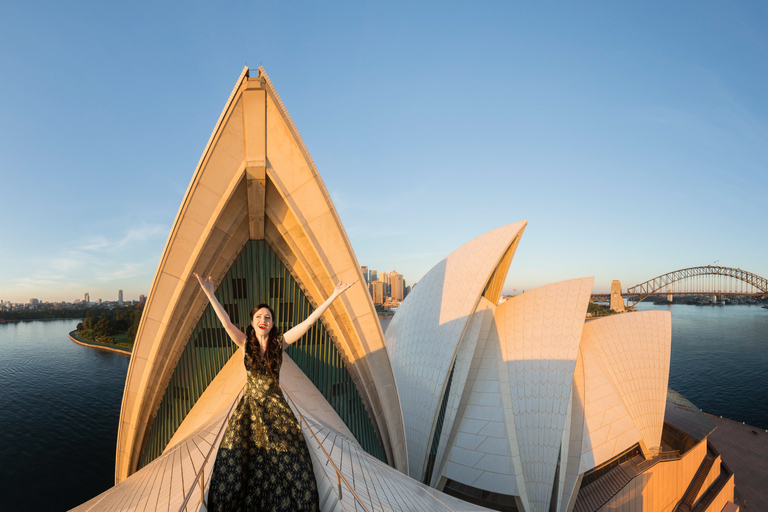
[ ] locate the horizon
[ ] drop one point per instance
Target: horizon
(632, 138)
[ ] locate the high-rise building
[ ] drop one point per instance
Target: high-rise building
(377, 292)
(142, 299)
(384, 278)
(364, 270)
(373, 276)
(396, 285)
(87, 297)
(120, 297)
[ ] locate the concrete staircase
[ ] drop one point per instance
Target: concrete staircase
(686, 504)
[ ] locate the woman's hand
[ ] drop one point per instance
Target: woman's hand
(342, 286)
(299, 330)
(236, 334)
(206, 284)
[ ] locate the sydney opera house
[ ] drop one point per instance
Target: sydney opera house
(467, 401)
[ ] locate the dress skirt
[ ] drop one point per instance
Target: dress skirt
(263, 463)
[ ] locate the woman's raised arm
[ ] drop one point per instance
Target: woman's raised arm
(298, 331)
(236, 334)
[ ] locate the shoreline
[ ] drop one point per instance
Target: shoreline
(99, 346)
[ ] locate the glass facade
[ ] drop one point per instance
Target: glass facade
(438, 429)
(257, 276)
(488, 499)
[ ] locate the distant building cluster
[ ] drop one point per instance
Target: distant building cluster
(386, 289)
(6, 305)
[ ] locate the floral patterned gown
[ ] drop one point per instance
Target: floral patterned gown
(263, 462)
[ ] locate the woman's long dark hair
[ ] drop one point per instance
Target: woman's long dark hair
(274, 333)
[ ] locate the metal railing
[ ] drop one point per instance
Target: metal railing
(339, 477)
(200, 475)
(647, 464)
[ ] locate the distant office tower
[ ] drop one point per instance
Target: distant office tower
(142, 299)
(377, 292)
(373, 276)
(407, 291)
(396, 285)
(120, 297)
(384, 278)
(34, 302)
(364, 270)
(87, 297)
(99, 301)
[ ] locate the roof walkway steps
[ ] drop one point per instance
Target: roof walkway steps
(686, 504)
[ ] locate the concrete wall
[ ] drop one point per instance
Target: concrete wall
(725, 496)
(660, 488)
(712, 475)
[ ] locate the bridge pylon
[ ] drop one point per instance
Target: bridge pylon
(617, 301)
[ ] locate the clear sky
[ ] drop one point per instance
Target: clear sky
(632, 136)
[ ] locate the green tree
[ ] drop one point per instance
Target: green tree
(104, 326)
(89, 322)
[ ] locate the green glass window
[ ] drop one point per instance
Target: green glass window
(438, 428)
(257, 276)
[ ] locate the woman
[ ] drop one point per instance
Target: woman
(263, 463)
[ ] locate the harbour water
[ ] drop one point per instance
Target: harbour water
(720, 359)
(60, 402)
(59, 409)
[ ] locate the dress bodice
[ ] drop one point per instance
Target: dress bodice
(263, 373)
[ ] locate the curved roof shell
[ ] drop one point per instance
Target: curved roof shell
(424, 335)
(255, 180)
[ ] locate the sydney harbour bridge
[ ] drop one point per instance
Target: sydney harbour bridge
(705, 280)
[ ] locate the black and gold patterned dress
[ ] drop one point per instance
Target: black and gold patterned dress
(263, 462)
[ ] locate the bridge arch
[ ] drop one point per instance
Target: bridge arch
(657, 283)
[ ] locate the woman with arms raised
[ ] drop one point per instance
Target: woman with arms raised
(263, 463)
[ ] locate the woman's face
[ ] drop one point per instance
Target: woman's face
(262, 322)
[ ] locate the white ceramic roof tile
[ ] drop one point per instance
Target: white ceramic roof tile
(632, 351)
(542, 331)
(484, 426)
(424, 335)
(163, 484)
(478, 326)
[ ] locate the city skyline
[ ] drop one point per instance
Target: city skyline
(85, 300)
(631, 138)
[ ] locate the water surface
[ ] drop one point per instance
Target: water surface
(60, 402)
(59, 411)
(720, 359)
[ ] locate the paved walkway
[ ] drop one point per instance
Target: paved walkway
(745, 450)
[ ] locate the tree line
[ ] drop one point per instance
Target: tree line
(102, 325)
(48, 313)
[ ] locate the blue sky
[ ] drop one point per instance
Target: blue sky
(633, 138)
